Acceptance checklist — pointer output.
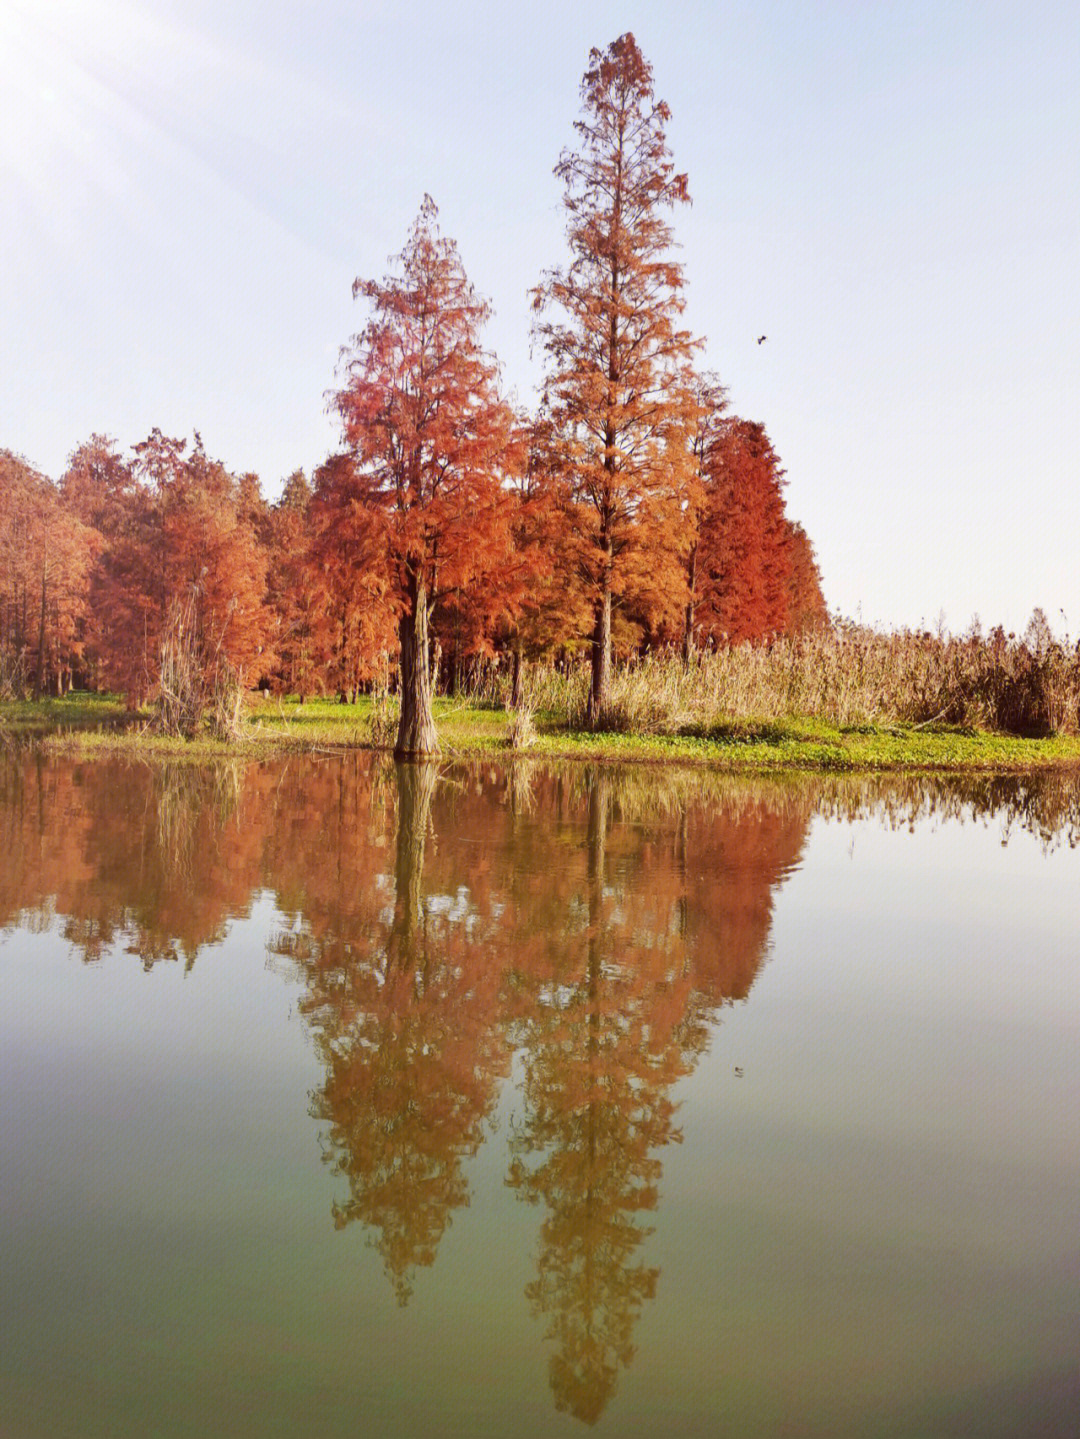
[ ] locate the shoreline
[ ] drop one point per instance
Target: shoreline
(95, 725)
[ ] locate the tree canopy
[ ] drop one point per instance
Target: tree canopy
(632, 509)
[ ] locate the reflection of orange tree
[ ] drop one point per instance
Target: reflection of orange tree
(157, 858)
(160, 858)
(606, 1034)
(405, 1018)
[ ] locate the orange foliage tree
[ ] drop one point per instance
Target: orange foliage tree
(807, 609)
(288, 590)
(174, 531)
(211, 551)
(744, 544)
(125, 597)
(347, 575)
(429, 434)
(45, 554)
(619, 379)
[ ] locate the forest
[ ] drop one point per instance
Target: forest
(631, 512)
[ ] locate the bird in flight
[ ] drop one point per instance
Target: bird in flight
(761, 339)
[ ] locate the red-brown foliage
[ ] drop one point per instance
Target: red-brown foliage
(430, 436)
(173, 528)
(353, 611)
(631, 511)
(45, 555)
(619, 381)
(745, 544)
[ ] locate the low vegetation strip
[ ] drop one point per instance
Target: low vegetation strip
(90, 724)
(846, 675)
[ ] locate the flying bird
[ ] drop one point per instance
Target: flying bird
(761, 339)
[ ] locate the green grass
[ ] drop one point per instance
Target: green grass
(84, 723)
(77, 708)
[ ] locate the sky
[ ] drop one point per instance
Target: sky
(889, 191)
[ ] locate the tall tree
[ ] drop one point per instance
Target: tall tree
(100, 486)
(45, 554)
(745, 543)
(211, 571)
(346, 578)
(288, 591)
(428, 431)
(619, 381)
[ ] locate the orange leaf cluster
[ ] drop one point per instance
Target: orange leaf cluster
(451, 531)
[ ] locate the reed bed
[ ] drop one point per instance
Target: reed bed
(848, 676)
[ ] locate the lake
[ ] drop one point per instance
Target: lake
(345, 1099)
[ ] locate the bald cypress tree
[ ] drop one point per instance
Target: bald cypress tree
(619, 382)
(429, 435)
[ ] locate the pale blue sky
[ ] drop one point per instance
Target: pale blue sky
(890, 192)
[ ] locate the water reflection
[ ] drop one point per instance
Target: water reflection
(580, 928)
(403, 1002)
(606, 1024)
(575, 935)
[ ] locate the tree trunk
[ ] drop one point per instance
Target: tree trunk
(596, 839)
(415, 787)
(691, 605)
(601, 656)
(39, 684)
(416, 732)
(517, 694)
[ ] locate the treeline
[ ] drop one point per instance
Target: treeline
(297, 594)
(632, 510)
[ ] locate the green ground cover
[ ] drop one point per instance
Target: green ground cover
(97, 724)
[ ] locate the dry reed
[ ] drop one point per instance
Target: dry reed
(384, 720)
(196, 681)
(847, 676)
(521, 729)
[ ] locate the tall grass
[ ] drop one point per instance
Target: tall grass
(847, 676)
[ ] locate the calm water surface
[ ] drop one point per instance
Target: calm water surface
(343, 1100)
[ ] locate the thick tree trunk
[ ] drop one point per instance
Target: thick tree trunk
(595, 846)
(415, 787)
(601, 656)
(416, 732)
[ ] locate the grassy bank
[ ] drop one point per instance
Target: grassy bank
(45, 716)
(90, 724)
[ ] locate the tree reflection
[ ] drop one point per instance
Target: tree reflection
(406, 1026)
(601, 1058)
(154, 858)
(595, 921)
